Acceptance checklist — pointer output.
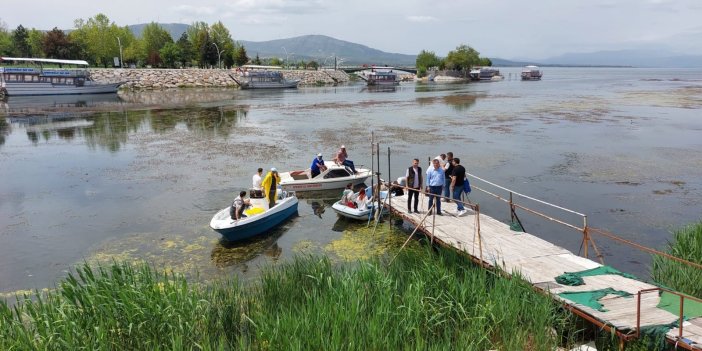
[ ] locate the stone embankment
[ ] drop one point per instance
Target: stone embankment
(202, 78)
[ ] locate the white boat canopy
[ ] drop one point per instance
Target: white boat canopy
(44, 60)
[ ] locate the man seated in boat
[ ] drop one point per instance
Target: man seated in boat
(236, 211)
(347, 196)
(256, 189)
(342, 159)
(317, 166)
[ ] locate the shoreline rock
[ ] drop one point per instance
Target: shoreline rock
(157, 79)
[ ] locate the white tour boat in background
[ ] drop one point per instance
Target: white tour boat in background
(30, 77)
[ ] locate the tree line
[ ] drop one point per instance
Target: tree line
(98, 40)
(461, 59)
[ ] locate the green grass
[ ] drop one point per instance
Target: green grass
(424, 300)
(686, 244)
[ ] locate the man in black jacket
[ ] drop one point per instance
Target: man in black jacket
(414, 183)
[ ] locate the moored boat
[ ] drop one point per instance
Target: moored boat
(260, 219)
(485, 74)
(33, 78)
(262, 77)
(344, 210)
(334, 177)
(381, 76)
(531, 73)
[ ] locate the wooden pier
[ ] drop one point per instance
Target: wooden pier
(494, 245)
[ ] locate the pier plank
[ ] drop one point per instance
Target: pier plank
(540, 262)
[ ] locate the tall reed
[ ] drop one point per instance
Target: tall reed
(424, 300)
(686, 244)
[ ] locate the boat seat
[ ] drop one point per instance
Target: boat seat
(299, 175)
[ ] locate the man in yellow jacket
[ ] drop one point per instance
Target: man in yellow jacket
(270, 186)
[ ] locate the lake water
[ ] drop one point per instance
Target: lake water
(138, 177)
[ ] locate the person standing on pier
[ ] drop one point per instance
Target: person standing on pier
(457, 179)
(414, 183)
(448, 170)
(435, 183)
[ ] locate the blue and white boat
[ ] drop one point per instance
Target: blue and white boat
(260, 219)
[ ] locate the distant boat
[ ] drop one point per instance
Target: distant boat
(485, 74)
(531, 73)
(260, 219)
(381, 76)
(262, 77)
(35, 79)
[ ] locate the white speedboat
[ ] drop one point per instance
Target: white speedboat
(358, 213)
(33, 78)
(260, 219)
(334, 177)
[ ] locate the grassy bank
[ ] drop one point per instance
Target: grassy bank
(686, 244)
(424, 300)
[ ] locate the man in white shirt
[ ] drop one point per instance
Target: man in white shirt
(257, 191)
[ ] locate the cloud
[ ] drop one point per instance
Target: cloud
(198, 10)
(421, 19)
(277, 6)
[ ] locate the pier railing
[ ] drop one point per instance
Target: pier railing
(510, 199)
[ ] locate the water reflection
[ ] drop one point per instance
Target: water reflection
(458, 102)
(225, 253)
(110, 130)
(380, 89)
(4, 130)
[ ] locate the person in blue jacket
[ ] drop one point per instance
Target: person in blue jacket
(317, 165)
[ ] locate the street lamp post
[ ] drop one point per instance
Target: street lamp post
(287, 56)
(219, 56)
(121, 63)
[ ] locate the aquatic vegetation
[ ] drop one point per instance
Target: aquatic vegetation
(686, 244)
(361, 242)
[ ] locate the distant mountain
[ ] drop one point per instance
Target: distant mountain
(635, 58)
(175, 29)
(321, 48)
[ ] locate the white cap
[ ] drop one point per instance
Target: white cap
(274, 170)
(343, 147)
(319, 154)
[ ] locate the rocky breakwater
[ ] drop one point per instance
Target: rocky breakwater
(201, 78)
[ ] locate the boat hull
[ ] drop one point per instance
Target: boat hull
(253, 226)
(351, 213)
(325, 185)
(41, 88)
(262, 85)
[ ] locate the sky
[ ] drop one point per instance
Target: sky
(509, 29)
